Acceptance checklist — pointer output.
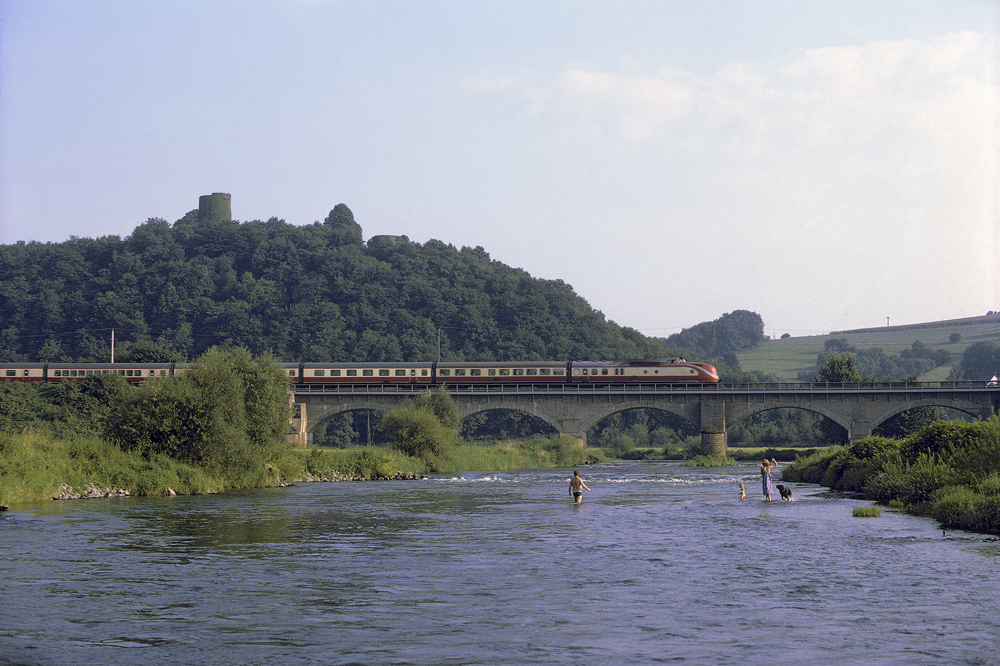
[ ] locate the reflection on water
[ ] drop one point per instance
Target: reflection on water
(659, 563)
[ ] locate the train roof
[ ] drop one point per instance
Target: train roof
(400, 364)
(633, 362)
(501, 364)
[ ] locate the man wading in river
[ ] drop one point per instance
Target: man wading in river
(576, 486)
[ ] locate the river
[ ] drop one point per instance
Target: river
(659, 564)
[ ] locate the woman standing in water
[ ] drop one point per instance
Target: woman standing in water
(765, 478)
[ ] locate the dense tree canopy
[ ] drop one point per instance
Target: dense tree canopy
(315, 292)
(721, 339)
(981, 360)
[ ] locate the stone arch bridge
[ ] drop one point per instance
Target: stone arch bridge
(574, 409)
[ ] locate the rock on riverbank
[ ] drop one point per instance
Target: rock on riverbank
(333, 476)
(67, 492)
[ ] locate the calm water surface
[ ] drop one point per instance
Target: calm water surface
(661, 563)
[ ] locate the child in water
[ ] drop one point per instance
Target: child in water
(743, 492)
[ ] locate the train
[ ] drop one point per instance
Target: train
(455, 373)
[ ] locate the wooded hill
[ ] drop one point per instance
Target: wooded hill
(313, 293)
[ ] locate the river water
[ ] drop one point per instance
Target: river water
(660, 564)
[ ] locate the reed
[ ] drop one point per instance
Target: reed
(867, 512)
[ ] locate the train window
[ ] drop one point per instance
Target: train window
(444, 373)
(576, 371)
(656, 372)
(423, 372)
(367, 373)
(545, 371)
(491, 372)
(604, 371)
(518, 372)
(558, 371)
(336, 373)
(129, 373)
(383, 373)
(532, 372)
(401, 373)
(475, 372)
(319, 373)
(459, 372)
(57, 373)
(645, 372)
(352, 373)
(163, 373)
(121, 373)
(504, 372)
(12, 373)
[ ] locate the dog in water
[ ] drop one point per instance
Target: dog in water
(786, 493)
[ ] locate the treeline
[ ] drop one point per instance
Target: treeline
(314, 292)
(722, 339)
(948, 470)
(979, 361)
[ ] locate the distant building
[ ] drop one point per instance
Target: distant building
(215, 207)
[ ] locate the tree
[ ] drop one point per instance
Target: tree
(346, 230)
(426, 427)
(980, 361)
(221, 413)
(839, 367)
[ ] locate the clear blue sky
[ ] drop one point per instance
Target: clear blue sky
(826, 164)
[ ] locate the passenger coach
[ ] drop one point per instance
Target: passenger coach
(516, 372)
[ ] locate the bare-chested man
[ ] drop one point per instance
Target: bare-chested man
(576, 486)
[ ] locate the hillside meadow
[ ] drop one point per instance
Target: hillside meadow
(786, 358)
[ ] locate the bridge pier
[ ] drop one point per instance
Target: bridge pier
(859, 430)
(571, 428)
(713, 426)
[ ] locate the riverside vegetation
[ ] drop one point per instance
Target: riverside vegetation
(217, 427)
(949, 470)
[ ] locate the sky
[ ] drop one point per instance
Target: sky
(828, 164)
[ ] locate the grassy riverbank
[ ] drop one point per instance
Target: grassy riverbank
(34, 466)
(949, 470)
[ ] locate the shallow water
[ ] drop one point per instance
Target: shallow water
(661, 563)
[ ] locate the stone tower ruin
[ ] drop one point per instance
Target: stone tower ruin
(215, 207)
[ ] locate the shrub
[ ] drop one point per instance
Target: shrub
(911, 484)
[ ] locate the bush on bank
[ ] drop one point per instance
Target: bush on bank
(949, 470)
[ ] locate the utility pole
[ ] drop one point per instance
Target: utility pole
(112, 345)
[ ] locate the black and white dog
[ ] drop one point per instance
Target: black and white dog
(786, 493)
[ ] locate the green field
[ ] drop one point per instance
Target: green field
(788, 357)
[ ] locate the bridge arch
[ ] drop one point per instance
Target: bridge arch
(736, 416)
(684, 412)
(963, 407)
(466, 411)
